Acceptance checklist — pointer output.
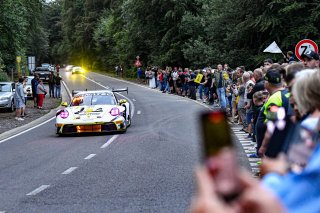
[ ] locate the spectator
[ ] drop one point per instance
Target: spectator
(57, 82)
(220, 83)
(201, 85)
(139, 74)
(241, 103)
(51, 83)
(278, 97)
(291, 71)
(290, 57)
(58, 68)
(34, 85)
(267, 64)
(41, 91)
(234, 92)
(152, 80)
(19, 99)
(192, 86)
(310, 59)
(23, 110)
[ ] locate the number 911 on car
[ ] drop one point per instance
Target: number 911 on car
(94, 111)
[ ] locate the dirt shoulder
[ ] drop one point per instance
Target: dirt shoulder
(8, 121)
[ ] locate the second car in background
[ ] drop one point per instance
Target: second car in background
(77, 70)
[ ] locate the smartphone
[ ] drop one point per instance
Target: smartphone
(219, 155)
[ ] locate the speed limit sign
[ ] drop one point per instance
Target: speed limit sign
(304, 46)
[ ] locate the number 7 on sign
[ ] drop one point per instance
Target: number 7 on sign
(305, 45)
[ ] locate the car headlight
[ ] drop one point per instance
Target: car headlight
(63, 114)
(114, 111)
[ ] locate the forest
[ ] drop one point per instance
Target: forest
(99, 34)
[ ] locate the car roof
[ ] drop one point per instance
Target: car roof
(6, 82)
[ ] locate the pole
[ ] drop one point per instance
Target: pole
(11, 74)
(18, 70)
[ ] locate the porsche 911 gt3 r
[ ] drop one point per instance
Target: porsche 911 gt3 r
(94, 111)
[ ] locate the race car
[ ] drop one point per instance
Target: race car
(94, 111)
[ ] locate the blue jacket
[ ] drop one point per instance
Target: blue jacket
(298, 192)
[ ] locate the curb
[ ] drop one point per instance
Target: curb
(65, 96)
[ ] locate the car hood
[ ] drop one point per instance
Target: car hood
(92, 112)
(5, 94)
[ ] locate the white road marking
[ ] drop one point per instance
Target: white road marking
(133, 99)
(254, 159)
(38, 190)
(2, 212)
(253, 164)
(89, 156)
(68, 171)
(139, 112)
(27, 130)
(109, 142)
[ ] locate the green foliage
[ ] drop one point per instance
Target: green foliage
(100, 34)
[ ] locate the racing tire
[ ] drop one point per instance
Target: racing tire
(129, 121)
(58, 132)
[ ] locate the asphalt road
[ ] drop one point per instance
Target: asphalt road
(147, 169)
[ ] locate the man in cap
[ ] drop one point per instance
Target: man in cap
(310, 59)
(279, 97)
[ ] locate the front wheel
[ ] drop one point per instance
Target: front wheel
(12, 106)
(129, 121)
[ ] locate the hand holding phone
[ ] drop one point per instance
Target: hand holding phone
(219, 155)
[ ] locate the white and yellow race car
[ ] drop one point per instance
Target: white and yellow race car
(94, 111)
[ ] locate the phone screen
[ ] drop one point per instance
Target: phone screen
(219, 155)
(216, 132)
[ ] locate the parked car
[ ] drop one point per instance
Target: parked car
(43, 73)
(49, 66)
(6, 95)
(29, 86)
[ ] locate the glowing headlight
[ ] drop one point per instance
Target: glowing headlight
(115, 111)
(64, 114)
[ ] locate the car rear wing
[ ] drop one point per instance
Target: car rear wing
(74, 92)
(120, 90)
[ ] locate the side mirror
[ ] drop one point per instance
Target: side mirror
(65, 104)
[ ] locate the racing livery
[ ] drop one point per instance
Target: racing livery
(94, 111)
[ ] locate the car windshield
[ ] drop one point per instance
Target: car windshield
(93, 99)
(5, 88)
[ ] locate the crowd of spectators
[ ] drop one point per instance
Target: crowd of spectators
(279, 107)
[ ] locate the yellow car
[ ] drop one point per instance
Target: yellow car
(77, 70)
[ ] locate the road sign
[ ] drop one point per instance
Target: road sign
(304, 46)
(138, 63)
(18, 58)
(31, 63)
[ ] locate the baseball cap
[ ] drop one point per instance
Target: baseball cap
(273, 76)
(310, 54)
